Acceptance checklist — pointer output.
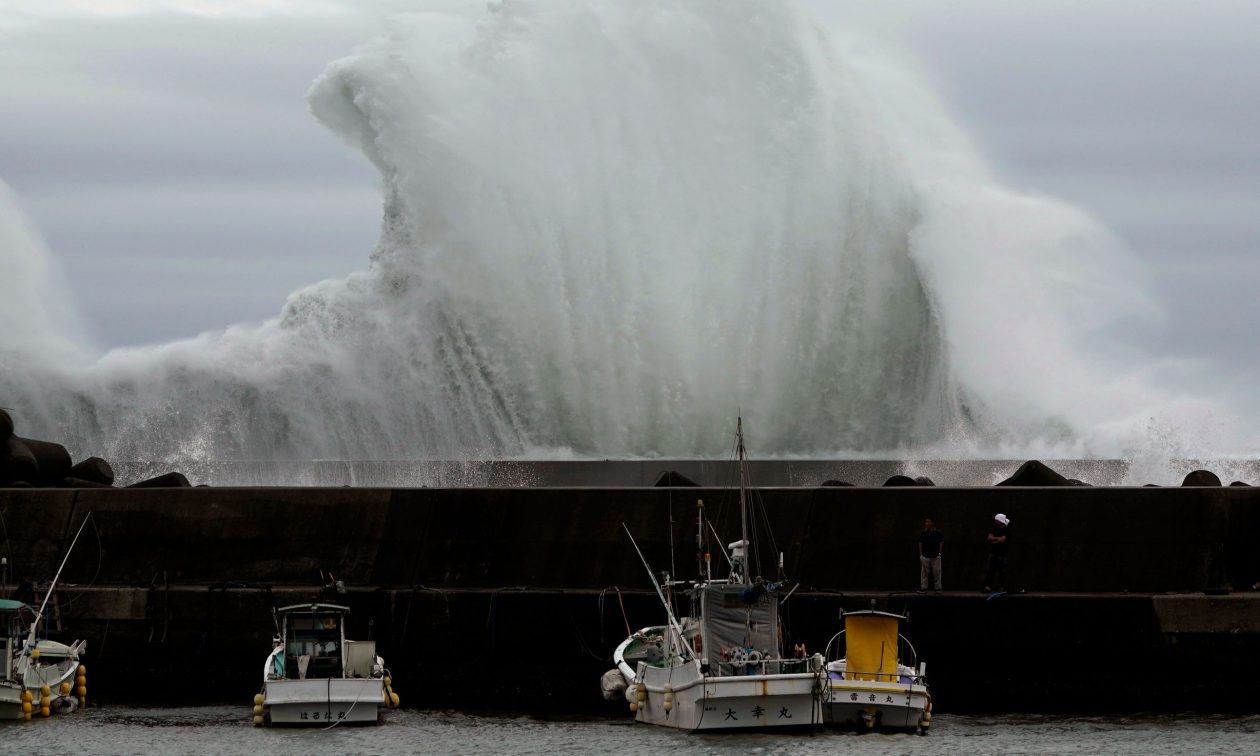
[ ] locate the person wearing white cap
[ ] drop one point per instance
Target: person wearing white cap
(999, 539)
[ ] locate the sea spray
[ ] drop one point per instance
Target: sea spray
(607, 228)
(38, 326)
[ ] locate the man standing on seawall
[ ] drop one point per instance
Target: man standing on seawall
(999, 539)
(931, 543)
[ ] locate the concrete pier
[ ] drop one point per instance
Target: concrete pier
(1124, 604)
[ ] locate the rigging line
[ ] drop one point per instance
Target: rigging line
(759, 503)
(353, 703)
(669, 612)
(583, 646)
(100, 560)
(30, 639)
(624, 618)
(8, 544)
(672, 569)
(600, 604)
(753, 498)
(774, 544)
(721, 545)
(765, 520)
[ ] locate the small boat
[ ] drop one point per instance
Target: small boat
(722, 666)
(40, 676)
(870, 686)
(315, 676)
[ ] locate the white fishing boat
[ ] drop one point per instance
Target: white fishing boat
(315, 676)
(875, 683)
(721, 667)
(41, 676)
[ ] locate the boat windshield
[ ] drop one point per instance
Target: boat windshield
(15, 616)
(313, 645)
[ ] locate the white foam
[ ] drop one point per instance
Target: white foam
(609, 226)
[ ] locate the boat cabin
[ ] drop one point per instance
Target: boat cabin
(739, 633)
(315, 644)
(873, 649)
(314, 639)
(15, 617)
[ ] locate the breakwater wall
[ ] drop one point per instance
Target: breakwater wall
(514, 598)
(771, 473)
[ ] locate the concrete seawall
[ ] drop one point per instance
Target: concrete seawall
(465, 589)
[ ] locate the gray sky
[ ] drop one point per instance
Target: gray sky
(165, 151)
(1146, 115)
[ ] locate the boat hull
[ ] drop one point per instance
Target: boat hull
(12, 710)
(752, 702)
(58, 666)
(11, 703)
(876, 705)
(323, 702)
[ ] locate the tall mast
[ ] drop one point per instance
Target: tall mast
(743, 508)
(30, 637)
(704, 571)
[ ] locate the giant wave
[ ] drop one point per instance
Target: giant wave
(608, 227)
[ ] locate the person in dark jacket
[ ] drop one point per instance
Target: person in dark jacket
(931, 543)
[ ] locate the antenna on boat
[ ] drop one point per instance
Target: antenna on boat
(30, 637)
(673, 621)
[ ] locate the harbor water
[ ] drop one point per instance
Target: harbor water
(227, 730)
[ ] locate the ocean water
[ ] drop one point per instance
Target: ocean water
(227, 730)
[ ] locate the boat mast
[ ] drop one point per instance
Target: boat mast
(743, 508)
(669, 612)
(703, 571)
(30, 637)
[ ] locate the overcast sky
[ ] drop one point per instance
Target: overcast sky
(165, 150)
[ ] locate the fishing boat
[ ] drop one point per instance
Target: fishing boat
(721, 666)
(40, 676)
(315, 676)
(38, 673)
(875, 683)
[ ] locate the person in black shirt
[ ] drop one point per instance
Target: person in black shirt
(999, 539)
(931, 542)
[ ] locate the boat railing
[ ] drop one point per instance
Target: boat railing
(906, 676)
(759, 665)
(911, 673)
